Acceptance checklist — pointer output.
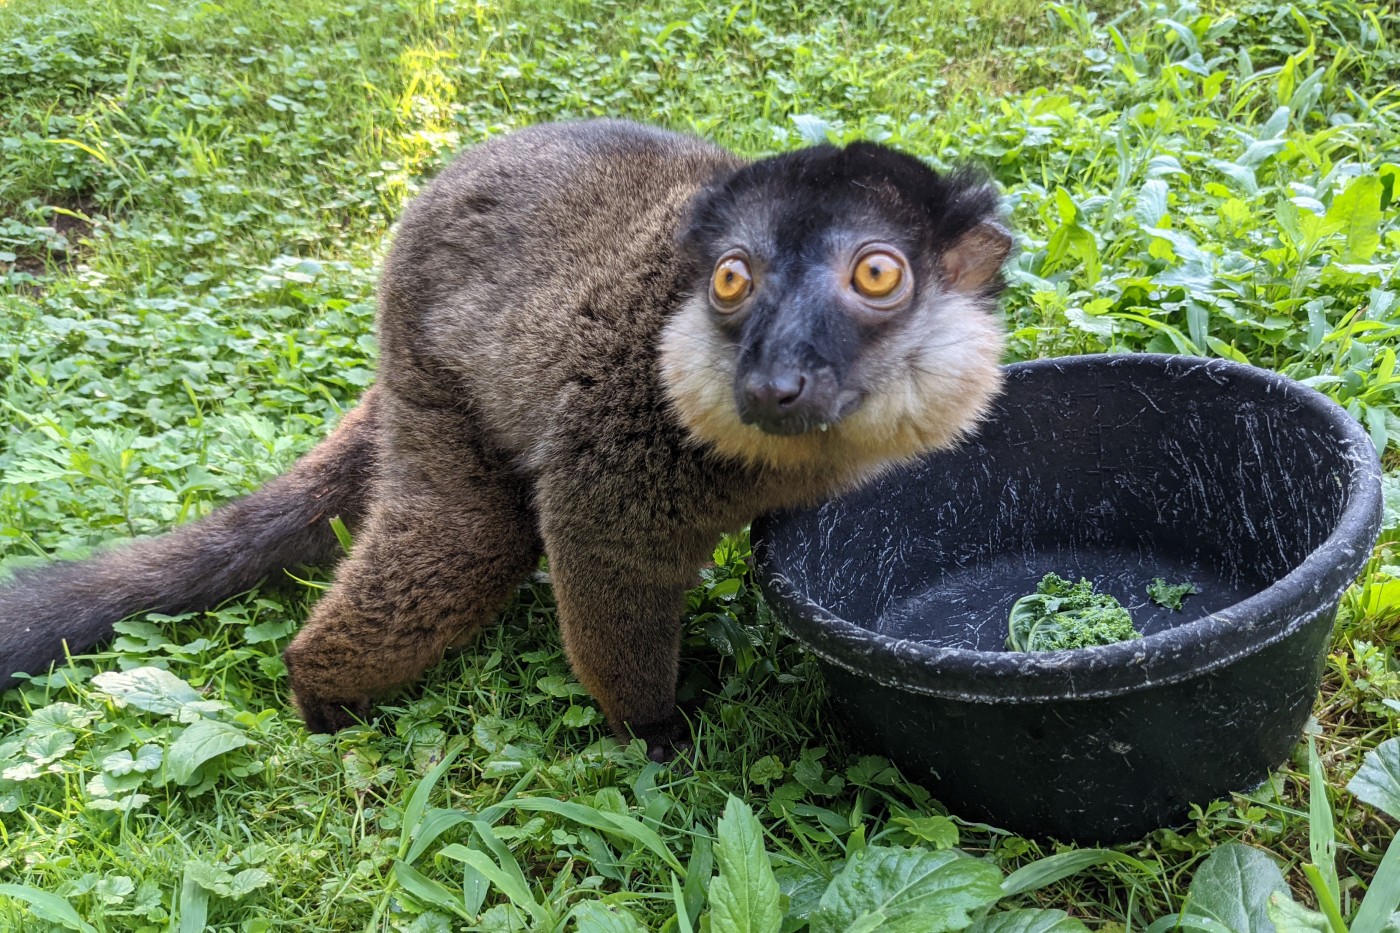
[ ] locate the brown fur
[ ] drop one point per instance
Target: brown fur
(550, 384)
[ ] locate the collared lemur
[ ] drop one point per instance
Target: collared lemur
(608, 344)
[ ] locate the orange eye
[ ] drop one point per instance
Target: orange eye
(878, 274)
(732, 281)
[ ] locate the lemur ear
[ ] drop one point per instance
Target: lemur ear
(976, 257)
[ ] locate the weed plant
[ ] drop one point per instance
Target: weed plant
(193, 199)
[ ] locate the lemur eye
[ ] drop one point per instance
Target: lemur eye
(732, 281)
(878, 274)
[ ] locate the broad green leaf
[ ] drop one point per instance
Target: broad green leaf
(47, 906)
(1064, 203)
(1356, 214)
(212, 878)
(1188, 921)
(576, 717)
(148, 758)
(1242, 175)
(1233, 886)
(507, 918)
(1261, 151)
(938, 831)
(126, 804)
(108, 785)
(813, 129)
(156, 691)
(1277, 123)
(1184, 34)
(1289, 916)
(199, 743)
(1377, 781)
(744, 896)
(1152, 203)
(59, 717)
(250, 879)
(1028, 920)
(475, 887)
(597, 917)
(48, 747)
(804, 887)
(725, 589)
(268, 631)
(113, 889)
(898, 890)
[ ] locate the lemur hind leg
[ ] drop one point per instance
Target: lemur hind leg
(442, 550)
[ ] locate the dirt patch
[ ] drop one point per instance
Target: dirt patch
(53, 242)
(72, 222)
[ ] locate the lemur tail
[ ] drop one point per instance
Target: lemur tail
(283, 524)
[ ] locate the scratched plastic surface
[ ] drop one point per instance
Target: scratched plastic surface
(1119, 469)
(972, 604)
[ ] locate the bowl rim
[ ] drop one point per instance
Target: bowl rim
(1190, 650)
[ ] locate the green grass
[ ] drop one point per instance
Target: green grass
(193, 198)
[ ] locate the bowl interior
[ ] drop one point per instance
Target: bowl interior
(1115, 469)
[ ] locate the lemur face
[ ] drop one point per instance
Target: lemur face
(798, 320)
(841, 297)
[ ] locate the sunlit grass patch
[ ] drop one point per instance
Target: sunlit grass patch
(193, 198)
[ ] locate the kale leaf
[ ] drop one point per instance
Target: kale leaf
(1061, 614)
(1170, 595)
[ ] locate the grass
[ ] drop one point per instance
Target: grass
(193, 198)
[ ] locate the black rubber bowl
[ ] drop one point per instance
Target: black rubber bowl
(1119, 469)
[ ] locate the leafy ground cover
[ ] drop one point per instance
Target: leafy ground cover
(192, 201)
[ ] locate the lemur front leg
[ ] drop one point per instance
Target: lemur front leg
(620, 587)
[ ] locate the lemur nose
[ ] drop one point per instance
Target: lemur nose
(775, 393)
(788, 398)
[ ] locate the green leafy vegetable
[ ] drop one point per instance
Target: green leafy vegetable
(1233, 886)
(1170, 595)
(597, 917)
(1028, 920)
(744, 895)
(900, 890)
(1377, 781)
(201, 742)
(157, 691)
(1061, 614)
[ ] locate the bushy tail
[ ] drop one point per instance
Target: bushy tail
(283, 524)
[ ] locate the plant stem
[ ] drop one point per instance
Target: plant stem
(1325, 901)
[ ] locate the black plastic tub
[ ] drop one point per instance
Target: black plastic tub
(1119, 469)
